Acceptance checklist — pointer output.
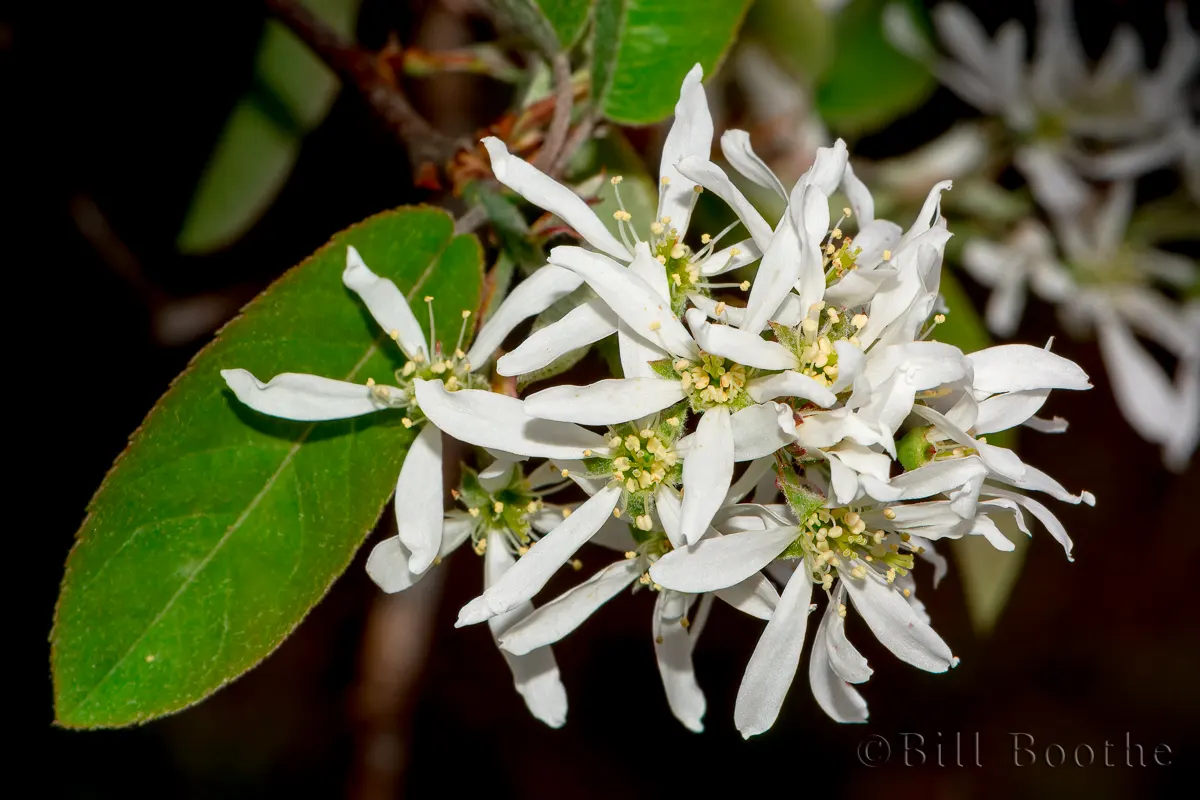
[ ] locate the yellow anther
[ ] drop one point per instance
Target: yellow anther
(889, 513)
(576, 564)
(859, 321)
(587, 453)
(673, 421)
(428, 298)
(908, 592)
(564, 473)
(744, 285)
(833, 315)
(661, 259)
(720, 309)
(522, 550)
(655, 325)
(498, 507)
(705, 238)
(617, 513)
(809, 325)
(474, 512)
(406, 422)
(887, 255)
(734, 253)
(622, 215)
(678, 251)
(466, 314)
(665, 181)
(644, 522)
(395, 334)
(666, 220)
(846, 212)
(657, 228)
(370, 382)
(939, 319)
(630, 554)
(566, 512)
(532, 507)
(615, 179)
(697, 188)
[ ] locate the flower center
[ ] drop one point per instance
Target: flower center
(504, 509)
(712, 382)
(831, 537)
(641, 461)
(812, 341)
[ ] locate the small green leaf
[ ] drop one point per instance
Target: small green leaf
(868, 83)
(292, 92)
(643, 49)
(553, 24)
(219, 528)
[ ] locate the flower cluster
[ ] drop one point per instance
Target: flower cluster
(812, 436)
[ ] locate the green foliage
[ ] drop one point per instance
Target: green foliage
(255, 152)
(803, 501)
(867, 83)
(643, 48)
(553, 24)
(219, 528)
(798, 32)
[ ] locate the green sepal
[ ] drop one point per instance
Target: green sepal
(598, 466)
(472, 491)
(665, 368)
(802, 500)
(914, 450)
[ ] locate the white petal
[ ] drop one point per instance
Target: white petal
(530, 297)
(731, 315)
(845, 659)
(386, 302)
(931, 212)
(1013, 367)
(938, 477)
(568, 611)
(1004, 411)
(777, 274)
(999, 460)
(388, 566)
(742, 347)
(545, 192)
(418, 500)
(690, 135)
(673, 651)
(834, 695)
(725, 260)
(580, 327)
(308, 398)
(488, 419)
(851, 362)
(535, 674)
(719, 562)
(634, 301)
(637, 353)
(861, 202)
(755, 596)
(714, 180)
(790, 384)
(1054, 184)
(606, 402)
(1141, 388)
(707, 473)
(895, 624)
(536, 567)
(772, 667)
(874, 237)
(825, 174)
(760, 430)
(1043, 514)
(735, 146)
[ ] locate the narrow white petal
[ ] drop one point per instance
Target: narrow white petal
(308, 398)
(637, 353)
(845, 659)
(772, 667)
(386, 302)
(755, 596)
(735, 146)
(827, 168)
(545, 192)
(568, 611)
(527, 577)
(1054, 184)
(633, 300)
(388, 566)
(418, 501)
(673, 651)
(1014, 367)
(606, 402)
(895, 624)
(1004, 411)
(762, 429)
(1043, 515)
(742, 347)
(938, 477)
(719, 562)
(861, 201)
(1141, 388)
(778, 272)
(707, 473)
(535, 675)
(670, 510)
(488, 419)
(833, 694)
(731, 315)
(580, 327)
(790, 384)
(930, 213)
(714, 180)
(690, 135)
(851, 362)
(530, 297)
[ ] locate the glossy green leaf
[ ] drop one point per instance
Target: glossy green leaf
(553, 24)
(867, 82)
(292, 92)
(643, 49)
(798, 32)
(219, 528)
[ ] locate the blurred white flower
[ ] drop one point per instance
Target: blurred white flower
(1104, 283)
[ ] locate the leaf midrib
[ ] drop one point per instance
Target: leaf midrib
(283, 465)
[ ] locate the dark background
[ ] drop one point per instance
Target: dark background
(113, 110)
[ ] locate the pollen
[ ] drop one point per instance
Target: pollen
(406, 422)
(474, 512)
(720, 309)
(744, 285)
(655, 325)
(846, 212)
(395, 334)
(566, 512)
(564, 473)
(498, 507)
(887, 255)
(939, 319)
(705, 238)
(428, 298)
(657, 228)
(859, 321)
(615, 179)
(621, 215)
(661, 259)
(466, 315)
(370, 382)
(576, 564)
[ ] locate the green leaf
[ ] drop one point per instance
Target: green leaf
(612, 155)
(292, 92)
(553, 24)
(868, 83)
(219, 528)
(644, 48)
(797, 31)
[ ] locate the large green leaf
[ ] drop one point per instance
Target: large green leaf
(553, 24)
(292, 92)
(988, 574)
(798, 32)
(219, 528)
(867, 83)
(643, 48)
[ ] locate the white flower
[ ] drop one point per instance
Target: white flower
(1057, 104)
(1103, 283)
(675, 632)
(504, 509)
(430, 383)
(685, 269)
